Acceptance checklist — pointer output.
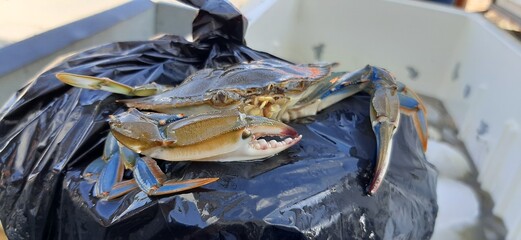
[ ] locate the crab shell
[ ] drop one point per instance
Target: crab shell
(275, 83)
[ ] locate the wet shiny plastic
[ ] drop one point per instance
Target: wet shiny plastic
(50, 132)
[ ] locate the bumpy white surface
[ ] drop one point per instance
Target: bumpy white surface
(449, 161)
(458, 204)
(458, 209)
(434, 134)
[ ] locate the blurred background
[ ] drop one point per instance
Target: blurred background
(463, 56)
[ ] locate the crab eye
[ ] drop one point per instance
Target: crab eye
(221, 98)
(246, 134)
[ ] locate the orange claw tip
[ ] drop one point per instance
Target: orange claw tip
(375, 183)
(289, 131)
(199, 182)
(208, 180)
(173, 186)
(371, 190)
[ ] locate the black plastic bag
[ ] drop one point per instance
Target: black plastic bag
(50, 132)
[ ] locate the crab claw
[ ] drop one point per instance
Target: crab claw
(220, 136)
(263, 137)
(384, 142)
(385, 117)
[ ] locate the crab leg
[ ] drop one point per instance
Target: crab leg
(153, 181)
(412, 105)
(109, 85)
(93, 170)
(107, 172)
(108, 176)
(109, 182)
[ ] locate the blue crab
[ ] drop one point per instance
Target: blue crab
(228, 114)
